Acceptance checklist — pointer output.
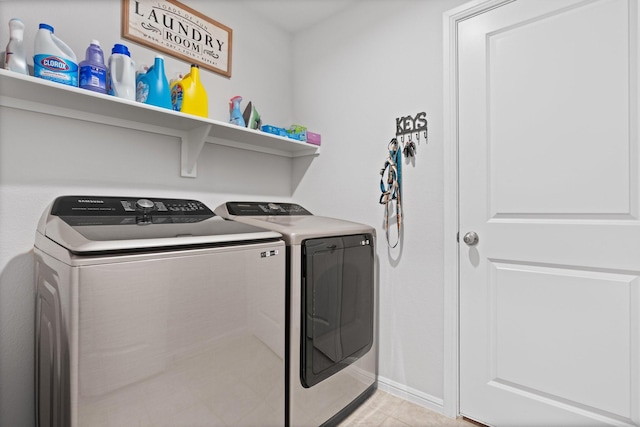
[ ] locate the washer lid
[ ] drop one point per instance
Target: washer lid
(86, 224)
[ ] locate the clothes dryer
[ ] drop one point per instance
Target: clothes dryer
(332, 314)
(157, 312)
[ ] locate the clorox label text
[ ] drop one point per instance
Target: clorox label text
(54, 63)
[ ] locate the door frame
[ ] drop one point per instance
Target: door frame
(451, 19)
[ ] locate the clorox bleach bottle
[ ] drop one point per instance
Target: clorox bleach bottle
(152, 87)
(122, 73)
(53, 59)
(188, 95)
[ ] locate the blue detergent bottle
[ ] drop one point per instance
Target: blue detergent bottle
(152, 87)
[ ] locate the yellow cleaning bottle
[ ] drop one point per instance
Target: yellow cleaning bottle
(188, 95)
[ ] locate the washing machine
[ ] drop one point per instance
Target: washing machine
(156, 312)
(331, 338)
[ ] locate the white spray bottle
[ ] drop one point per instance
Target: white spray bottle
(15, 59)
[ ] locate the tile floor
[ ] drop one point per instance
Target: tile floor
(386, 410)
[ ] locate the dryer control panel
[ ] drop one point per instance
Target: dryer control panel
(265, 209)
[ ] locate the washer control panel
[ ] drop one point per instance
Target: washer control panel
(123, 206)
(78, 209)
(265, 209)
(166, 206)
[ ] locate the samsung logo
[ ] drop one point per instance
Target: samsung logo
(90, 201)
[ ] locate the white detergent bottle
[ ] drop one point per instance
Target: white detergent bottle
(53, 59)
(122, 73)
(15, 59)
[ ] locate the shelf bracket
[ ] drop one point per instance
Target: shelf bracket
(192, 143)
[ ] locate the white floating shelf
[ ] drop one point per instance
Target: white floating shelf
(42, 96)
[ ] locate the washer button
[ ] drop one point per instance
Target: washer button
(145, 205)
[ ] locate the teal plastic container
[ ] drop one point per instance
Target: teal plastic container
(152, 87)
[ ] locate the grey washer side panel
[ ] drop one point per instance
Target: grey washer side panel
(52, 356)
(190, 337)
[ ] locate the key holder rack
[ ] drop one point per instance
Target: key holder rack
(408, 126)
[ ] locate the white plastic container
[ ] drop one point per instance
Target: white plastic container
(53, 59)
(15, 59)
(122, 73)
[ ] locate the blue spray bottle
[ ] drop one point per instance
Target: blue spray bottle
(235, 113)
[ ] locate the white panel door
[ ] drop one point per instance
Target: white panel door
(548, 179)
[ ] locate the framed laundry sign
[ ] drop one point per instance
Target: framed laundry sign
(179, 31)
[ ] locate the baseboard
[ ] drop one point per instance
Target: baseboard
(402, 391)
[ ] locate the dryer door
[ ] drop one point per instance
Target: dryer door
(337, 304)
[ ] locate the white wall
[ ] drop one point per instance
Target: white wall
(354, 75)
(43, 156)
(347, 78)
